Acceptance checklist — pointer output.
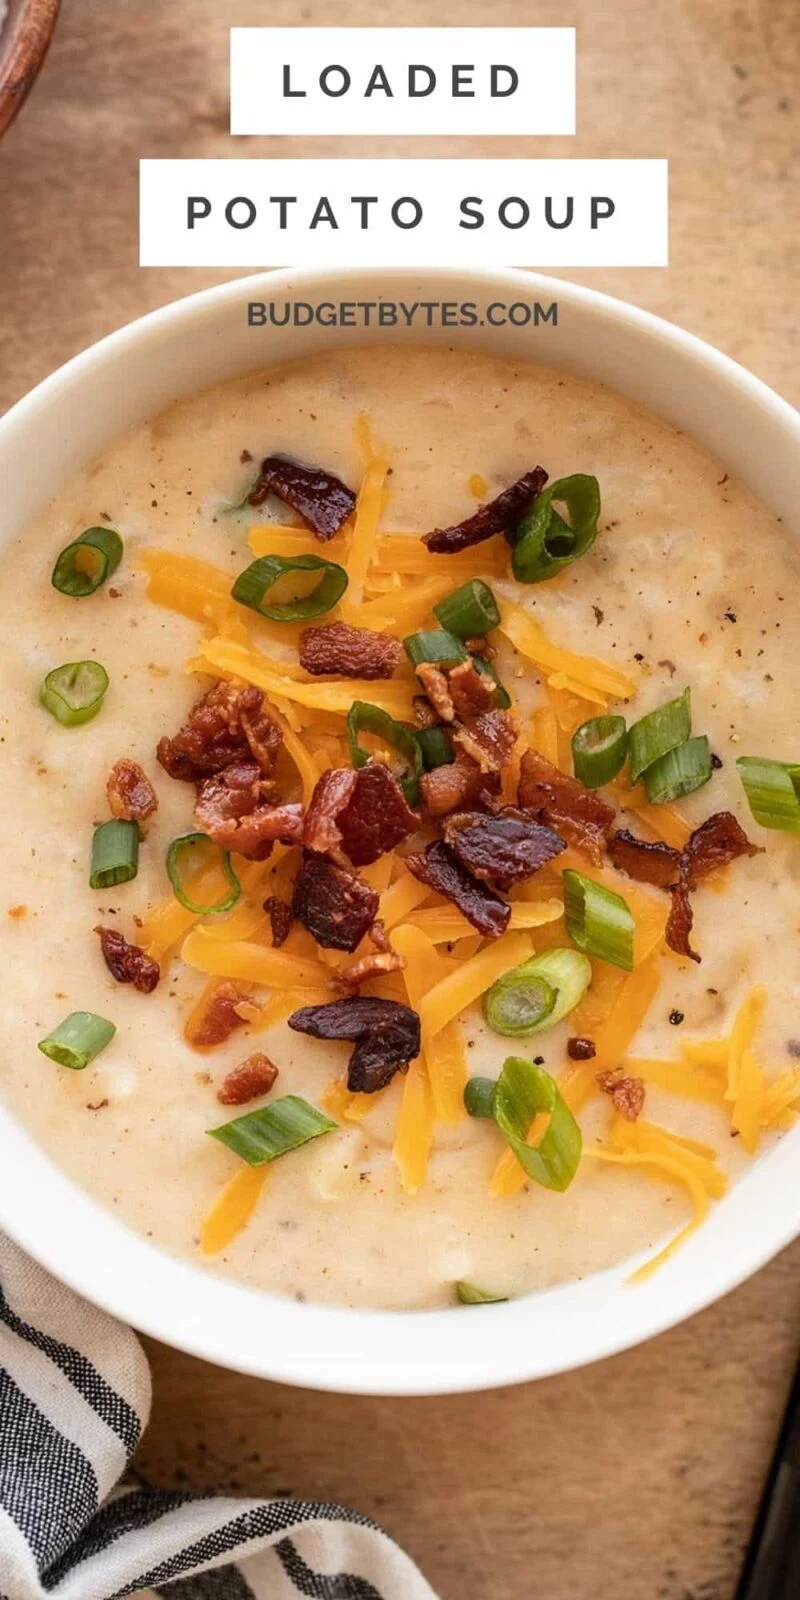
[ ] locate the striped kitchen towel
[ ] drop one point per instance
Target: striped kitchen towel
(74, 1401)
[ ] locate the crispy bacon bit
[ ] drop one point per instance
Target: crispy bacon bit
(378, 936)
(248, 1081)
(226, 727)
(507, 845)
(441, 870)
(434, 682)
(478, 646)
(655, 863)
(424, 714)
(386, 1035)
(580, 1049)
(281, 918)
(489, 739)
(321, 499)
(680, 919)
(580, 814)
(236, 809)
(335, 905)
(716, 843)
(131, 795)
(376, 964)
(495, 517)
(457, 785)
(127, 962)
(216, 1018)
(471, 691)
(627, 1094)
(349, 652)
(358, 816)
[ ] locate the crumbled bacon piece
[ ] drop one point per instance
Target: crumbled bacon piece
(655, 863)
(320, 498)
(237, 809)
(495, 517)
(627, 1094)
(335, 905)
(376, 964)
(580, 814)
(716, 843)
(680, 919)
(456, 785)
(131, 795)
(507, 844)
(127, 962)
(251, 1079)
(281, 918)
(349, 652)
(580, 1049)
(217, 1016)
(488, 738)
(378, 936)
(471, 691)
(478, 646)
(424, 714)
(434, 682)
(358, 815)
(386, 1036)
(227, 726)
(441, 870)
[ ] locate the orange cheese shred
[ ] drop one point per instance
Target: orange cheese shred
(224, 657)
(453, 994)
(587, 676)
(414, 1135)
(232, 1209)
(252, 963)
(630, 1005)
(745, 1024)
(444, 1053)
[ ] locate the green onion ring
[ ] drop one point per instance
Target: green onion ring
(598, 921)
(434, 646)
(470, 1295)
(77, 1040)
(543, 542)
(523, 1090)
(469, 612)
(106, 547)
(75, 692)
(599, 748)
(366, 718)
(271, 1131)
(773, 791)
(115, 853)
(253, 585)
(537, 994)
(659, 732)
(183, 842)
(679, 772)
(435, 747)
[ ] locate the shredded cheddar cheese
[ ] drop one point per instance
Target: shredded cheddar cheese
(414, 1136)
(631, 1002)
(444, 1053)
(461, 988)
(745, 1023)
(232, 1209)
(225, 658)
(445, 924)
(252, 963)
(585, 673)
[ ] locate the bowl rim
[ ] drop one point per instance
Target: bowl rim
(383, 1352)
(22, 54)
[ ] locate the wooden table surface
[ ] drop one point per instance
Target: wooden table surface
(636, 1479)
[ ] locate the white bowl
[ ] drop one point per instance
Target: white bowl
(134, 374)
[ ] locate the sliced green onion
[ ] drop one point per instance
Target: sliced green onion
(436, 646)
(470, 611)
(537, 994)
(366, 718)
(115, 853)
(470, 1295)
(679, 772)
(521, 1092)
(435, 748)
(773, 791)
(263, 1135)
(543, 541)
(599, 748)
(487, 670)
(86, 563)
(479, 1096)
(659, 732)
(75, 692)
(598, 921)
(230, 509)
(77, 1040)
(188, 842)
(253, 585)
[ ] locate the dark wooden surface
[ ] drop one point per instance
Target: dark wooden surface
(636, 1479)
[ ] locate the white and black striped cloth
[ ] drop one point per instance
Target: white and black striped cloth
(74, 1401)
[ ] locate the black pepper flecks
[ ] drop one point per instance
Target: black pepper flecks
(676, 1018)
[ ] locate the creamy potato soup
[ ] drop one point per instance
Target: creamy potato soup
(470, 883)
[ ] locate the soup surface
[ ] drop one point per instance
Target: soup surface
(689, 583)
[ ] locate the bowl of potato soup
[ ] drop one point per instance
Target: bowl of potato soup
(402, 799)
